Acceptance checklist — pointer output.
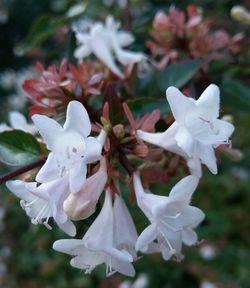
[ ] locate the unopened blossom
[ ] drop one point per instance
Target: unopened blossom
(172, 218)
(107, 42)
(43, 202)
(81, 205)
(98, 245)
(19, 122)
(71, 146)
(196, 130)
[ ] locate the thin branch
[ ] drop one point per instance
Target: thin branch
(21, 170)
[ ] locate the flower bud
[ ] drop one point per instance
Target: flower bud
(141, 150)
(83, 204)
(240, 14)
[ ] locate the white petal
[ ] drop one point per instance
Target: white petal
(209, 101)
(147, 236)
(126, 233)
(77, 119)
(207, 157)
(69, 246)
(185, 140)
(189, 237)
(124, 38)
(179, 104)
(191, 216)
(102, 51)
(184, 189)
(124, 268)
(77, 176)
(82, 51)
(49, 170)
(48, 128)
(194, 166)
(93, 150)
(18, 187)
(18, 121)
(68, 227)
(100, 235)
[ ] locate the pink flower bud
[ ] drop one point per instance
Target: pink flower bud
(83, 204)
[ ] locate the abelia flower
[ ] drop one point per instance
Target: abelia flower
(105, 41)
(71, 146)
(19, 122)
(43, 202)
(98, 245)
(196, 130)
(172, 218)
(81, 205)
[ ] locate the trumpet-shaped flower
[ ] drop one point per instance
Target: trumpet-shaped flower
(43, 202)
(81, 205)
(98, 245)
(196, 130)
(105, 41)
(172, 218)
(71, 147)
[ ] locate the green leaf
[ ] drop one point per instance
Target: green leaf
(178, 74)
(235, 93)
(18, 148)
(44, 27)
(147, 105)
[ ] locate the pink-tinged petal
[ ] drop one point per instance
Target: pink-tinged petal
(147, 236)
(68, 227)
(189, 237)
(185, 140)
(184, 189)
(69, 246)
(207, 156)
(93, 150)
(49, 170)
(77, 177)
(77, 119)
(179, 104)
(48, 128)
(209, 101)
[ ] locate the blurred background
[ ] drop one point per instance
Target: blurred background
(32, 30)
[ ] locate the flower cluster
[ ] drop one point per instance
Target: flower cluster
(101, 145)
(179, 35)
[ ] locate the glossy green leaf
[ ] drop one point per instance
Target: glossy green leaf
(178, 74)
(18, 148)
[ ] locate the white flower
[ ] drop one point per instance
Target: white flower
(196, 130)
(71, 147)
(43, 202)
(19, 122)
(98, 245)
(81, 205)
(105, 41)
(172, 218)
